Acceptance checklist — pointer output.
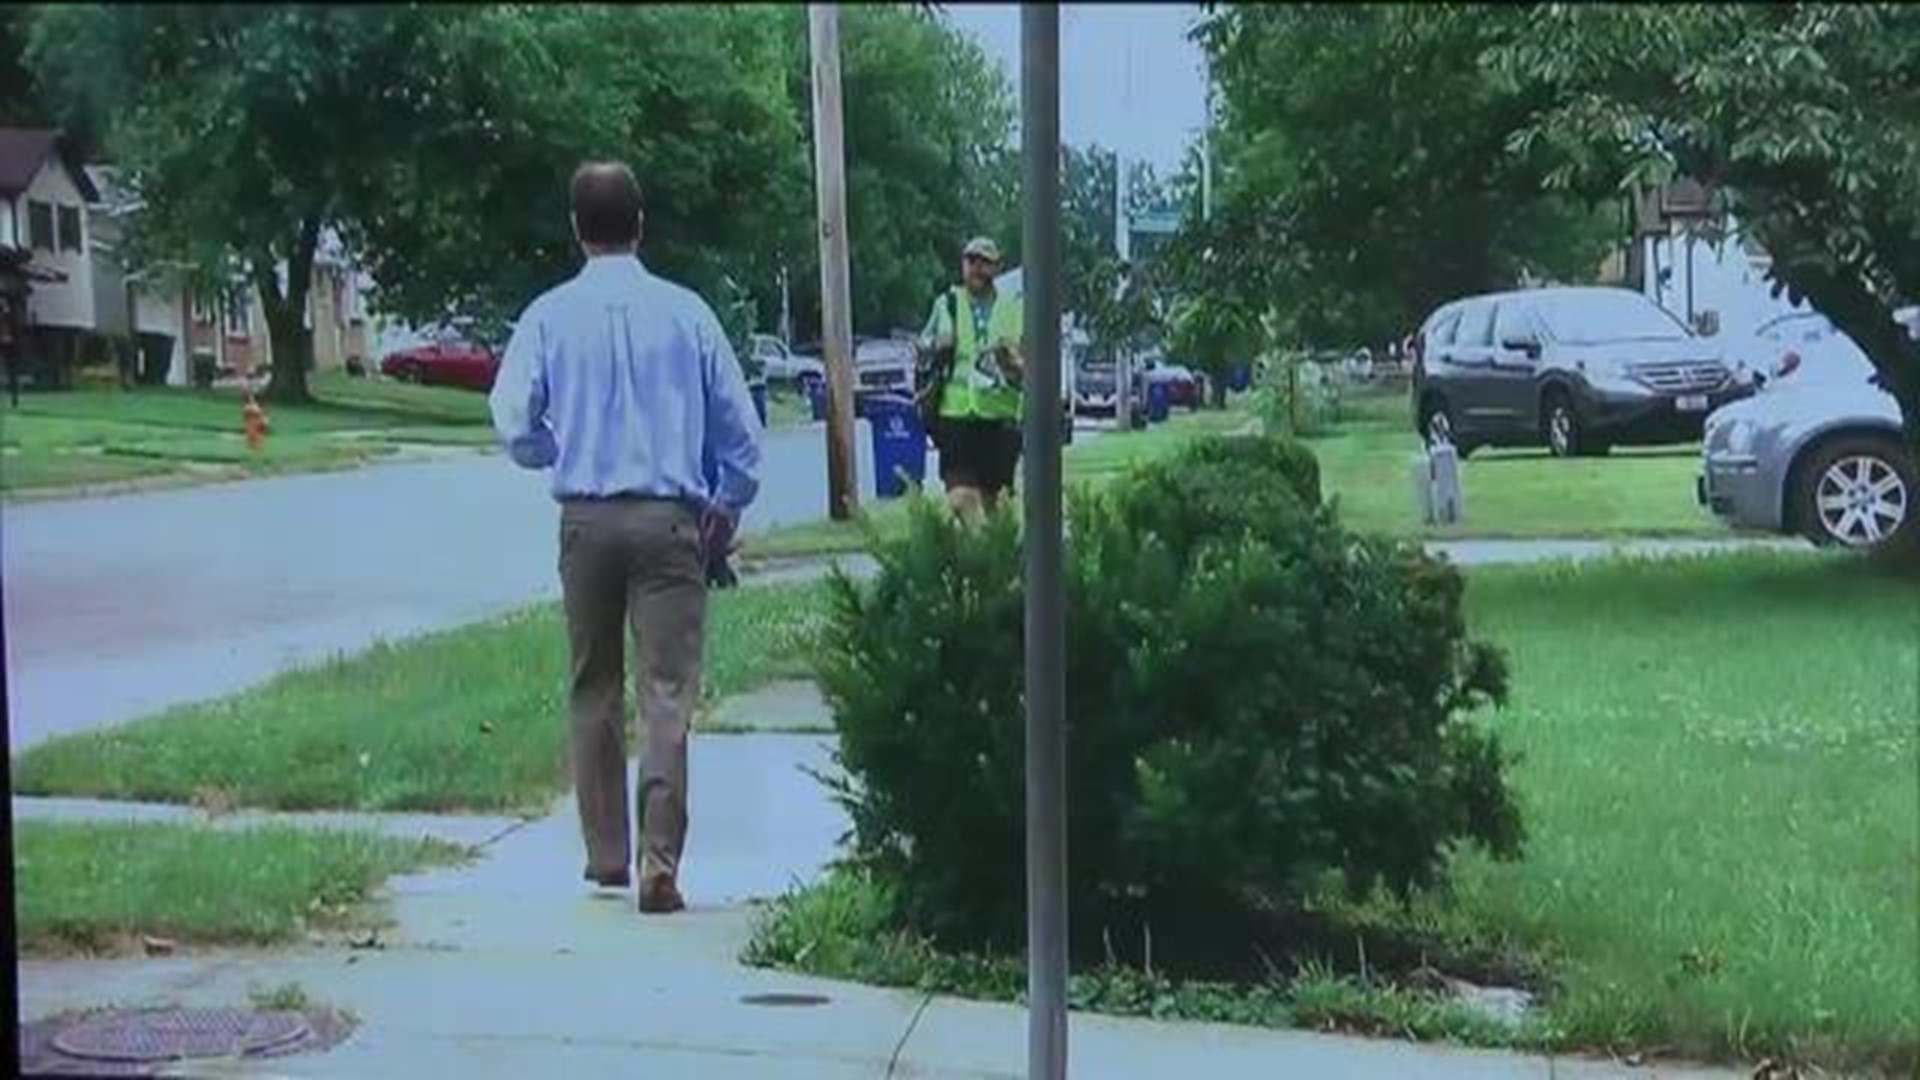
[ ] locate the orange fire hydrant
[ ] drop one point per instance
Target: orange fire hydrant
(253, 421)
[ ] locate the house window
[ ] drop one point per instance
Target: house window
(40, 225)
(202, 309)
(70, 228)
(239, 317)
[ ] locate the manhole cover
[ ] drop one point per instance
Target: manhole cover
(179, 1034)
(786, 1000)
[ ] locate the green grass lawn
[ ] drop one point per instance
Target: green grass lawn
(1089, 462)
(1366, 467)
(100, 888)
(471, 719)
(1719, 772)
(1366, 463)
(63, 440)
(1518, 493)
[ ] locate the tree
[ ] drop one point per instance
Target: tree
(1801, 117)
(1125, 306)
(437, 140)
(1214, 333)
(248, 131)
(929, 123)
(693, 98)
(1371, 142)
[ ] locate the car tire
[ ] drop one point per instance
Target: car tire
(1561, 428)
(1857, 492)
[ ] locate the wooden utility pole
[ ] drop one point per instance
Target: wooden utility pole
(836, 314)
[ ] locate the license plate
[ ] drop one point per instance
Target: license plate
(1692, 403)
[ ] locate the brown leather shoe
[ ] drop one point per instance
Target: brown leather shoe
(618, 879)
(660, 896)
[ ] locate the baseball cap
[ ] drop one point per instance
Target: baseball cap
(983, 248)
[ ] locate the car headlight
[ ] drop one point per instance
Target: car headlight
(1739, 437)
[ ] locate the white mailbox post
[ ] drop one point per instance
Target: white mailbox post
(1436, 482)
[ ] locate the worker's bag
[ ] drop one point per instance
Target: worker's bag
(933, 369)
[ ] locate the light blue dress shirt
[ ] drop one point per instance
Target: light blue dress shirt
(624, 383)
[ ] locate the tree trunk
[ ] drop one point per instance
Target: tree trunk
(292, 359)
(1217, 385)
(286, 314)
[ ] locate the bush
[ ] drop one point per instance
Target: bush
(1255, 697)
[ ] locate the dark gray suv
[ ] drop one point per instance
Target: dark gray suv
(1577, 370)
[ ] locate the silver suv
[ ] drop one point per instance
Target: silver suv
(1577, 370)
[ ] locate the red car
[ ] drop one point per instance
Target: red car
(446, 360)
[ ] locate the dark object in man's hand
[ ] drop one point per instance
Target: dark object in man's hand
(716, 541)
(720, 573)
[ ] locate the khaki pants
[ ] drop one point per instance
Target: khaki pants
(632, 564)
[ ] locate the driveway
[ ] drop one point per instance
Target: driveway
(119, 607)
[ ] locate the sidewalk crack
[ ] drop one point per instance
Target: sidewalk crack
(893, 1063)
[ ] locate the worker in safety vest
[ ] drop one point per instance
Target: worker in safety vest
(977, 428)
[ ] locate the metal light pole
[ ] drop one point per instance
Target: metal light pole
(10, 1031)
(1206, 154)
(1046, 623)
(836, 316)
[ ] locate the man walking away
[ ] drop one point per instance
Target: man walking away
(625, 386)
(978, 427)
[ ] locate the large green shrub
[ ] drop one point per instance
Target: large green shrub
(1255, 697)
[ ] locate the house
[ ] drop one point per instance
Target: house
(44, 196)
(222, 331)
(1689, 257)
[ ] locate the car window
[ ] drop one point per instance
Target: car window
(1513, 321)
(1592, 318)
(1443, 330)
(1476, 325)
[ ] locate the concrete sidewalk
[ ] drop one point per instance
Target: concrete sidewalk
(512, 968)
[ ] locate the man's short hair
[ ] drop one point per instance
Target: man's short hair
(606, 204)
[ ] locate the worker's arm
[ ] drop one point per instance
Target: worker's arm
(519, 398)
(938, 332)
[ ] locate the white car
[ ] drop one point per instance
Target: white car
(1804, 347)
(782, 365)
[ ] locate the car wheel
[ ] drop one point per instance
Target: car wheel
(1561, 427)
(1857, 493)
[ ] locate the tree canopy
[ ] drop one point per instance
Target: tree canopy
(437, 141)
(1363, 162)
(1805, 119)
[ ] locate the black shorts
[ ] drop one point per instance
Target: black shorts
(979, 454)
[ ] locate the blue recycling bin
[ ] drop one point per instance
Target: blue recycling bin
(1240, 377)
(816, 391)
(759, 392)
(1159, 402)
(899, 444)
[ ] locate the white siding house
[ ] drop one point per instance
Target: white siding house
(43, 201)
